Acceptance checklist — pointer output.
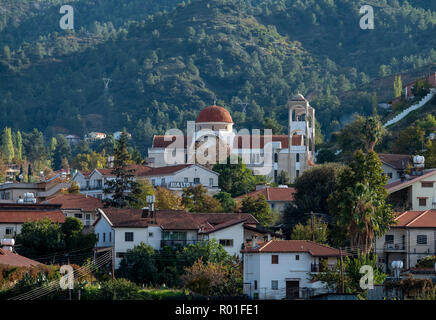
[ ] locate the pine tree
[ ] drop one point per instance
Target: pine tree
(19, 146)
(7, 146)
(398, 86)
(123, 189)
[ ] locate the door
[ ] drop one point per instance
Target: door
(292, 289)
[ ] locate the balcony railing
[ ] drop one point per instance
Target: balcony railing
(174, 243)
(394, 247)
(316, 267)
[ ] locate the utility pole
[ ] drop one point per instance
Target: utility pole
(113, 262)
(342, 270)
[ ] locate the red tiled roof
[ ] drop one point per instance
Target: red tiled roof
(164, 170)
(399, 185)
(214, 114)
(313, 248)
(210, 228)
(125, 218)
(272, 194)
(77, 201)
(13, 259)
(175, 219)
(218, 218)
(396, 161)
(21, 216)
(416, 219)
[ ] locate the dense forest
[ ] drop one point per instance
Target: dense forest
(169, 59)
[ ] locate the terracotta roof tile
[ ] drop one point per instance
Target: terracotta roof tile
(272, 194)
(13, 259)
(278, 246)
(21, 216)
(397, 161)
(416, 219)
(77, 201)
(214, 114)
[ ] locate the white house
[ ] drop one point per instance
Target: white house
(122, 229)
(394, 165)
(412, 238)
(12, 216)
(415, 192)
(174, 178)
(279, 269)
(80, 206)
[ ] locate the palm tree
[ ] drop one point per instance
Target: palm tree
(359, 211)
(373, 131)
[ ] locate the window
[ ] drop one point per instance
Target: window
(153, 182)
(174, 235)
(297, 173)
(274, 285)
(255, 284)
(298, 157)
(297, 257)
(110, 236)
(99, 196)
(78, 215)
(150, 234)
(120, 254)
(427, 184)
(274, 259)
(422, 202)
(185, 180)
(389, 239)
(128, 236)
(9, 231)
(163, 181)
(276, 157)
(390, 175)
(196, 180)
(421, 239)
(211, 182)
(104, 236)
(226, 242)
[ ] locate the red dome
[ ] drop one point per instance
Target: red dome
(214, 114)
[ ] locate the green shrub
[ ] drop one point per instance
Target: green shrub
(426, 262)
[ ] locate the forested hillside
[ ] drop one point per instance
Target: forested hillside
(166, 64)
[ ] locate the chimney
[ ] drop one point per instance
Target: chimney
(254, 242)
(8, 244)
(145, 212)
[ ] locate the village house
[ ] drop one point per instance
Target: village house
(174, 178)
(21, 192)
(279, 269)
(122, 229)
(95, 136)
(277, 197)
(412, 238)
(416, 191)
(394, 165)
(80, 206)
(12, 216)
(264, 155)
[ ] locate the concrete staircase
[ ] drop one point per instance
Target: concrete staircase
(405, 112)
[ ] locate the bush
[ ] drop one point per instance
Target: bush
(426, 262)
(119, 289)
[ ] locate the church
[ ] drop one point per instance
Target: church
(212, 139)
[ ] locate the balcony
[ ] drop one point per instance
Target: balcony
(397, 247)
(316, 267)
(175, 243)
